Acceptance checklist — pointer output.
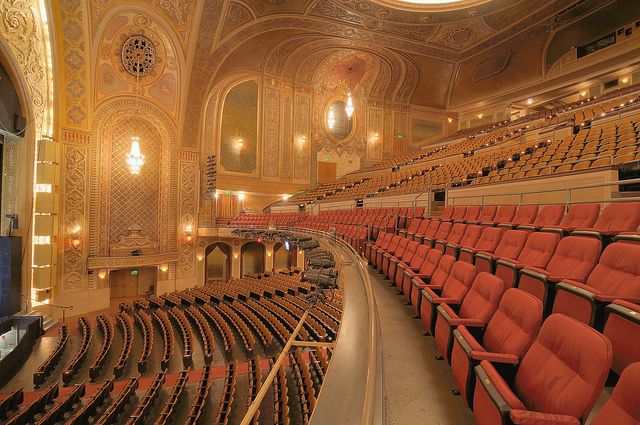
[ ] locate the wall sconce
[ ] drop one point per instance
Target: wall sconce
(625, 80)
(374, 137)
(200, 257)
(216, 195)
(269, 254)
(301, 141)
(102, 273)
(449, 120)
(235, 256)
(75, 236)
(480, 116)
(239, 144)
(240, 197)
(164, 268)
(188, 233)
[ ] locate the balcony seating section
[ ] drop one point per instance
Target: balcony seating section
(487, 242)
(152, 393)
(435, 283)
(510, 246)
(424, 274)
(106, 329)
(413, 266)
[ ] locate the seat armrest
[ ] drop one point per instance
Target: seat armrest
(512, 264)
(612, 298)
(486, 255)
(526, 417)
(494, 357)
(449, 301)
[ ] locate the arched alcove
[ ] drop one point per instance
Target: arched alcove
(239, 129)
(252, 258)
(218, 261)
(284, 258)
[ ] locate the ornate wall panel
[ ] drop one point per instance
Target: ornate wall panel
(401, 130)
(188, 195)
(375, 135)
(9, 179)
(302, 124)
(271, 133)
(287, 141)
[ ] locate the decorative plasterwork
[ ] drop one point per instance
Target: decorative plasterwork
(9, 179)
(271, 132)
(188, 198)
(237, 15)
(462, 34)
(96, 263)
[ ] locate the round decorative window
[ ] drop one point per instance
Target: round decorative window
(138, 55)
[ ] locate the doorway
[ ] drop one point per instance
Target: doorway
(130, 283)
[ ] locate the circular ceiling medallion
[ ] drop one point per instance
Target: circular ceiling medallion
(138, 55)
(431, 5)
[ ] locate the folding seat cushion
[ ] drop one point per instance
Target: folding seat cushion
(397, 253)
(413, 227)
(422, 228)
(508, 335)
(458, 213)
(425, 273)
(578, 216)
(487, 214)
(623, 407)
(393, 245)
(524, 214)
(429, 232)
(574, 258)
(504, 214)
(405, 258)
(509, 248)
(616, 276)
(558, 381)
(453, 291)
(537, 252)
(471, 235)
(447, 213)
(622, 327)
(442, 233)
(454, 236)
(438, 278)
(476, 310)
(488, 242)
(372, 248)
(413, 266)
(618, 218)
(472, 213)
(548, 216)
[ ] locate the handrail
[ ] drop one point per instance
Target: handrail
(64, 308)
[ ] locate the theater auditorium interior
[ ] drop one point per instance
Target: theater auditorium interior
(324, 212)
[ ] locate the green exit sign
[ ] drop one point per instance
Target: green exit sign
(134, 272)
(400, 135)
(326, 158)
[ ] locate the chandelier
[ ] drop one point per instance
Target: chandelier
(331, 118)
(349, 109)
(135, 159)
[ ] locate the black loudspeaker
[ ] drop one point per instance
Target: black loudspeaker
(19, 123)
(10, 275)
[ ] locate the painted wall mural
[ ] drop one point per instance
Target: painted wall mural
(239, 129)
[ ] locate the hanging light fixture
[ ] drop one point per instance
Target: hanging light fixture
(135, 159)
(331, 119)
(349, 109)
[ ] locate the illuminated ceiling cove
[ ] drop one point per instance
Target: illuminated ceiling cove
(432, 5)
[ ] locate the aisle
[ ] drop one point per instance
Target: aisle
(417, 387)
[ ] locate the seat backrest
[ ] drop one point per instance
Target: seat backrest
(488, 213)
(525, 214)
(618, 271)
(456, 233)
(539, 249)
(414, 225)
(515, 324)
(511, 244)
(489, 239)
(447, 213)
(432, 229)
(421, 254)
(581, 215)
(549, 215)
(459, 280)
(393, 243)
(430, 262)
(402, 245)
(471, 235)
(458, 213)
(443, 230)
(424, 225)
(409, 252)
(622, 408)
(565, 369)
(472, 212)
(483, 297)
(382, 237)
(622, 327)
(622, 217)
(443, 270)
(505, 214)
(575, 257)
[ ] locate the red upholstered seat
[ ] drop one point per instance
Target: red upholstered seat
(413, 227)
(476, 310)
(488, 242)
(472, 213)
(393, 244)
(558, 381)
(537, 252)
(509, 248)
(458, 213)
(413, 265)
(447, 213)
(455, 235)
(396, 253)
(548, 216)
(422, 228)
(622, 327)
(471, 235)
(437, 281)
(574, 259)
(487, 214)
(370, 249)
(524, 214)
(442, 233)
(453, 291)
(618, 218)
(429, 232)
(423, 275)
(623, 407)
(617, 275)
(405, 258)
(579, 216)
(504, 214)
(508, 336)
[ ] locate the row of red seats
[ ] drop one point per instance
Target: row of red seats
(522, 376)
(277, 219)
